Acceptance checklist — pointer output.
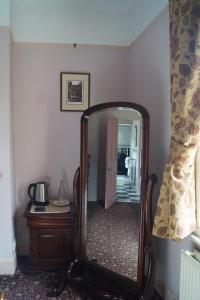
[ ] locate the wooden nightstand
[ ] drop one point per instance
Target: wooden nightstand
(51, 239)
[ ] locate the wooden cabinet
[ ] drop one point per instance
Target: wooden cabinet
(51, 239)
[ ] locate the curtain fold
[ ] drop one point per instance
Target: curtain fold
(175, 216)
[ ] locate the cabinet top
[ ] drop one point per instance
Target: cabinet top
(51, 211)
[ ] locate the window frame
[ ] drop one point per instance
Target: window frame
(196, 234)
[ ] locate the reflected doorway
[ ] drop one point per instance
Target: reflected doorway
(128, 162)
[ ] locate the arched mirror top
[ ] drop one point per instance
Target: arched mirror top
(128, 106)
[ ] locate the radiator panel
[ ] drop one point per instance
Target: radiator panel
(190, 277)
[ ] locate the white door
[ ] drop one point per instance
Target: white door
(111, 162)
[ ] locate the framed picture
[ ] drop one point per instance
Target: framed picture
(75, 91)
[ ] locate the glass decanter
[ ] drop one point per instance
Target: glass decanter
(62, 194)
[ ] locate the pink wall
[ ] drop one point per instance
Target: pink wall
(47, 141)
(149, 82)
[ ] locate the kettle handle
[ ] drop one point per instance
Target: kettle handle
(29, 191)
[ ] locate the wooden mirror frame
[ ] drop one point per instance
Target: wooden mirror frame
(145, 257)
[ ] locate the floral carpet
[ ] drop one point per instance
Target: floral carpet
(32, 286)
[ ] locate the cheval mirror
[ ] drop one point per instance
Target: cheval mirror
(114, 193)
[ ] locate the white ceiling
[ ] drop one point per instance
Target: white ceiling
(107, 22)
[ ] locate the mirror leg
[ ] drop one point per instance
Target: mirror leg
(58, 286)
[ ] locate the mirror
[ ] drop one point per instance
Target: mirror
(114, 189)
(113, 193)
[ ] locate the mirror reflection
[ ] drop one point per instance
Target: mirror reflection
(113, 195)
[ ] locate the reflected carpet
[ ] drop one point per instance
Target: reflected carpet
(113, 235)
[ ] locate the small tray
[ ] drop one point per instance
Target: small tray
(61, 203)
(50, 209)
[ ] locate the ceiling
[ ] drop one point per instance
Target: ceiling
(102, 22)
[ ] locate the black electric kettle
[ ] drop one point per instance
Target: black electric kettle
(38, 193)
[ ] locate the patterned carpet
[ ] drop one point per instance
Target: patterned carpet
(112, 237)
(32, 286)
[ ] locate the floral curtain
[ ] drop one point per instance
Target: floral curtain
(175, 216)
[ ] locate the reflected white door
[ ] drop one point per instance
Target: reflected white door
(111, 162)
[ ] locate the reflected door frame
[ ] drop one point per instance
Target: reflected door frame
(111, 162)
(138, 148)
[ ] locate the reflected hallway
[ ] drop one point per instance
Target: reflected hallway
(125, 190)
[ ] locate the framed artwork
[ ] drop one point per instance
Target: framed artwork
(74, 91)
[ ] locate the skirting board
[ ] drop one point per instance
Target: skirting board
(165, 292)
(7, 266)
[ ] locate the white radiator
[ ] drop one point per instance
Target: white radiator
(190, 277)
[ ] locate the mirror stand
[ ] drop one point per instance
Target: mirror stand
(94, 282)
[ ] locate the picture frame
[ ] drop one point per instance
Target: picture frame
(74, 91)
